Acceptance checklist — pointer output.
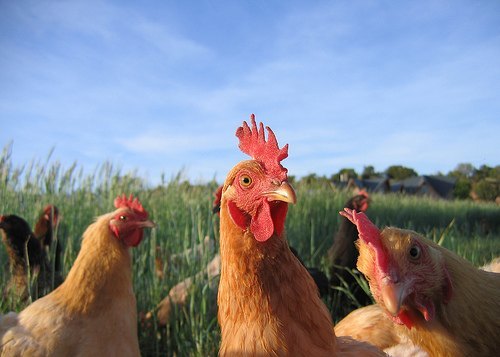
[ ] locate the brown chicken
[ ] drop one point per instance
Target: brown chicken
(437, 299)
(93, 313)
(45, 231)
(372, 324)
(342, 258)
(27, 260)
(46, 225)
(268, 303)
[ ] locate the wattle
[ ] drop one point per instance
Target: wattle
(133, 238)
(262, 225)
(268, 219)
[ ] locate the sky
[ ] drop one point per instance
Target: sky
(160, 87)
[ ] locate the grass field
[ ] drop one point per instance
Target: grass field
(183, 214)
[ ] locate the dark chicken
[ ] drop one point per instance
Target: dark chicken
(342, 258)
(27, 260)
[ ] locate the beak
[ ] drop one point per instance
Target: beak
(393, 294)
(284, 193)
(147, 224)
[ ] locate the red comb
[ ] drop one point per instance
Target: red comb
(253, 142)
(132, 203)
(369, 234)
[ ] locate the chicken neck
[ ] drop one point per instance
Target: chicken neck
(101, 273)
(266, 296)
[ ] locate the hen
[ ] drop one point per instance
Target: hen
(268, 302)
(439, 300)
(94, 311)
(27, 260)
(342, 258)
(46, 225)
(45, 231)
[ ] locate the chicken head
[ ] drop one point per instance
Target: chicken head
(129, 220)
(257, 191)
(407, 276)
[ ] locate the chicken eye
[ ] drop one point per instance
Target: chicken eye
(123, 218)
(245, 180)
(415, 252)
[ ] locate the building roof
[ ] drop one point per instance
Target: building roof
(426, 185)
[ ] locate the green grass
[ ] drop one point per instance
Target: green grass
(183, 215)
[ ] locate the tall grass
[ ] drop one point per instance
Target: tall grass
(184, 218)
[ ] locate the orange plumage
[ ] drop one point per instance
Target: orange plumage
(268, 303)
(370, 324)
(437, 299)
(94, 311)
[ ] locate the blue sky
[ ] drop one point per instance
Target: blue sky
(161, 86)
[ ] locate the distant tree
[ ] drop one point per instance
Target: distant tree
(486, 171)
(344, 175)
(369, 172)
(309, 178)
(463, 170)
(315, 179)
(462, 188)
(398, 172)
(487, 189)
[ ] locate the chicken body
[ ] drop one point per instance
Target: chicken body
(94, 311)
(437, 299)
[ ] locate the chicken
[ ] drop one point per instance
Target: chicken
(372, 324)
(45, 231)
(342, 258)
(268, 303)
(27, 260)
(46, 225)
(438, 300)
(93, 313)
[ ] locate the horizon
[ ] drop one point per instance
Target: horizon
(160, 88)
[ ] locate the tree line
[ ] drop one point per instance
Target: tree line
(481, 183)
